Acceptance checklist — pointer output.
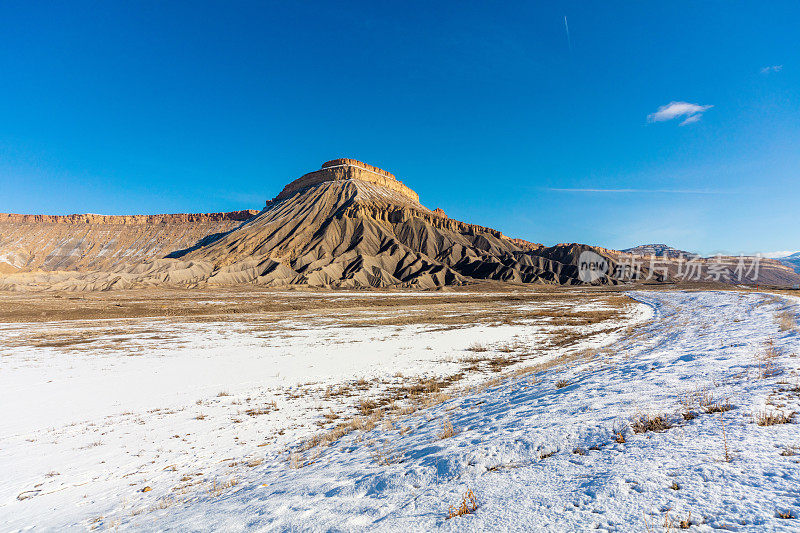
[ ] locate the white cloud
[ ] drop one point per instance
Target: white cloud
(673, 110)
(771, 68)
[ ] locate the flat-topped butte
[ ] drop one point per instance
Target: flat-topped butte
(347, 169)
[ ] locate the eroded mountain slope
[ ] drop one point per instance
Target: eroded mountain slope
(102, 242)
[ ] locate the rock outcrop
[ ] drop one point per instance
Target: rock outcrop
(347, 169)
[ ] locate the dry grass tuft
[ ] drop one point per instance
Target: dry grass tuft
(642, 423)
(726, 455)
(718, 406)
(447, 429)
(477, 347)
(790, 451)
(468, 506)
(295, 461)
(786, 515)
(545, 455)
(786, 321)
(772, 418)
(385, 454)
(218, 488)
(561, 383)
(766, 361)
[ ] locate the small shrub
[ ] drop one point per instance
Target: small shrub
(295, 461)
(468, 506)
(561, 383)
(579, 451)
(257, 411)
(790, 451)
(447, 429)
(772, 418)
(727, 455)
(718, 407)
(365, 407)
(385, 454)
(766, 361)
(477, 347)
(219, 488)
(645, 423)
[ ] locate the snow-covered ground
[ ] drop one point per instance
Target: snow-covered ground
(82, 434)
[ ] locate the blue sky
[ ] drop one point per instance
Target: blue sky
(491, 112)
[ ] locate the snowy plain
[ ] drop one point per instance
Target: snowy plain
(81, 436)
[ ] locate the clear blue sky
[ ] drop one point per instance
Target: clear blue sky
(491, 112)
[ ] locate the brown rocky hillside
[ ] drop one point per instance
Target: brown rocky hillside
(102, 242)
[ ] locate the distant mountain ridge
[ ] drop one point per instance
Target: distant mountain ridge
(784, 272)
(659, 250)
(792, 261)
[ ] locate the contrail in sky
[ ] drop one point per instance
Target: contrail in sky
(566, 27)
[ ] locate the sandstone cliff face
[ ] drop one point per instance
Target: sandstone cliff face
(347, 169)
(88, 218)
(102, 242)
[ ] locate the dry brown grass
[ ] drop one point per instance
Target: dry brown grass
(258, 411)
(469, 504)
(716, 406)
(386, 454)
(218, 488)
(421, 392)
(790, 451)
(561, 383)
(772, 418)
(726, 452)
(447, 429)
(642, 423)
(477, 347)
(786, 321)
(295, 460)
(766, 361)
